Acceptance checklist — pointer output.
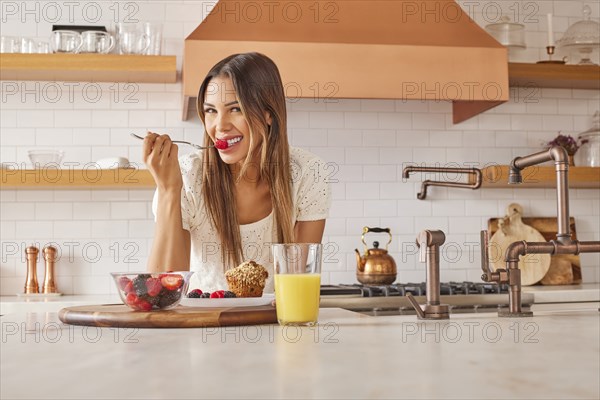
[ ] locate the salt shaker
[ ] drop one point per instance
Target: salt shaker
(50, 258)
(31, 282)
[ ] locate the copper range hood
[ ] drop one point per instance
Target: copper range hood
(388, 49)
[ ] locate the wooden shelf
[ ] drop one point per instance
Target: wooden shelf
(554, 76)
(47, 178)
(540, 177)
(88, 68)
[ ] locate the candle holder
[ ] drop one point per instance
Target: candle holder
(550, 52)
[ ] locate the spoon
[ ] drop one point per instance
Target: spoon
(197, 146)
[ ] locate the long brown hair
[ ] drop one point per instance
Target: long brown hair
(258, 88)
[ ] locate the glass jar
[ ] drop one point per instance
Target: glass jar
(588, 154)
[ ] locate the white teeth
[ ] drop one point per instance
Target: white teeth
(233, 141)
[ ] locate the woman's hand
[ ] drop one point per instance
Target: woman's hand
(161, 157)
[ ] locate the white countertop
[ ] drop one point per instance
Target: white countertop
(349, 355)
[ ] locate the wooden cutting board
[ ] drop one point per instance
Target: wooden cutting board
(564, 269)
(121, 316)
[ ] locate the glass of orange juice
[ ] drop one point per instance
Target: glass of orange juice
(297, 282)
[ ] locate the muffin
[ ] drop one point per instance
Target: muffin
(247, 279)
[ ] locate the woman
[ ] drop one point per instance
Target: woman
(225, 206)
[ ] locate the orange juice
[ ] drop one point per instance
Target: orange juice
(297, 298)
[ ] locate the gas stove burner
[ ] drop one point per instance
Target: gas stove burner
(416, 289)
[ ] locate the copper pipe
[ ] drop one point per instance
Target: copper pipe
(31, 282)
(423, 194)
(561, 162)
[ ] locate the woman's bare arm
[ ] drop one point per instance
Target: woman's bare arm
(309, 231)
(171, 245)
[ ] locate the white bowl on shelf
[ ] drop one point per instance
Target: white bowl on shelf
(45, 158)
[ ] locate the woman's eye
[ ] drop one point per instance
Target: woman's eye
(209, 110)
(236, 109)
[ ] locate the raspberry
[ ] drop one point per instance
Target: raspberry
(221, 144)
(195, 294)
(228, 294)
(219, 294)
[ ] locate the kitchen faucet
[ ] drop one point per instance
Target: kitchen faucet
(423, 194)
(563, 244)
(429, 243)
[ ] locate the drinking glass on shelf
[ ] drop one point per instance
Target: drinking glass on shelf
(9, 44)
(297, 268)
(28, 46)
(132, 40)
(43, 47)
(154, 32)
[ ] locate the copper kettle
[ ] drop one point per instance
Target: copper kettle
(376, 266)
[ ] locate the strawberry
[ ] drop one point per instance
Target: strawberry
(143, 305)
(221, 144)
(218, 294)
(129, 287)
(131, 299)
(171, 282)
(153, 286)
(123, 281)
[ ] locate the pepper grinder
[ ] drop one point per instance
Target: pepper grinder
(31, 282)
(50, 257)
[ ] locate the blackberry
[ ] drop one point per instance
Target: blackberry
(139, 284)
(227, 294)
(168, 298)
(194, 294)
(151, 299)
(205, 295)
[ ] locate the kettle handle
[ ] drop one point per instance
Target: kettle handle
(366, 230)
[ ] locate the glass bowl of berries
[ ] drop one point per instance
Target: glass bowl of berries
(145, 291)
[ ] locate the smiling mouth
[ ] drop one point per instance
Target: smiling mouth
(225, 144)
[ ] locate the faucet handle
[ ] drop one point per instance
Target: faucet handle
(485, 259)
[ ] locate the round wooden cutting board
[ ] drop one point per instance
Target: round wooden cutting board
(512, 229)
(121, 316)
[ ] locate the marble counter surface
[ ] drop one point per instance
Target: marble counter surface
(554, 355)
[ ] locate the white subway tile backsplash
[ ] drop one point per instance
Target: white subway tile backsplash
(395, 120)
(9, 119)
(32, 230)
(556, 123)
(91, 210)
(366, 142)
(298, 119)
(110, 229)
(380, 208)
(363, 120)
(72, 229)
(379, 173)
(347, 137)
(327, 120)
(429, 121)
(362, 190)
(17, 136)
(109, 119)
(379, 138)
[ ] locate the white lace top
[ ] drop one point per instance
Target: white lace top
(312, 199)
